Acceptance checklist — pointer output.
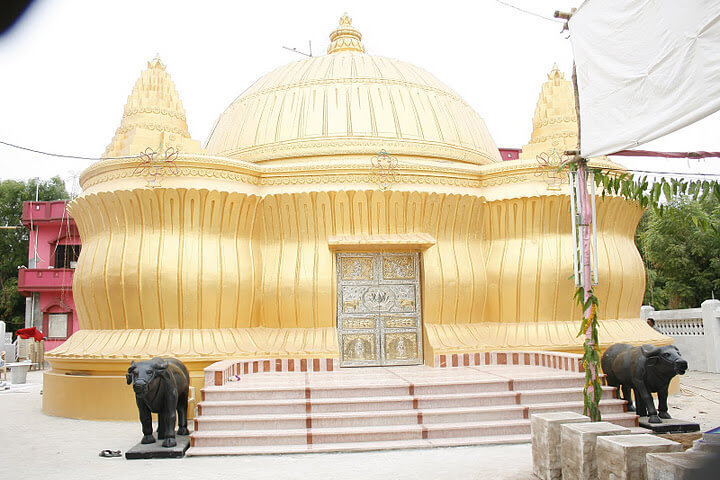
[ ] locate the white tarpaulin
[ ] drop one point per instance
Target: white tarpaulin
(645, 68)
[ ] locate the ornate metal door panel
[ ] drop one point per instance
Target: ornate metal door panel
(379, 314)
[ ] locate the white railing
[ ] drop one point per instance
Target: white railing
(686, 326)
(695, 331)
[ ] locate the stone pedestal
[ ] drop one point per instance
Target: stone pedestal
(156, 450)
(622, 457)
(669, 425)
(578, 447)
(678, 466)
(546, 442)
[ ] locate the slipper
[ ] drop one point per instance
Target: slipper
(110, 453)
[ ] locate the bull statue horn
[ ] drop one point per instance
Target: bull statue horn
(649, 350)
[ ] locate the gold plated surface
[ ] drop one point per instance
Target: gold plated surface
(153, 118)
(350, 103)
(555, 124)
(242, 253)
(345, 37)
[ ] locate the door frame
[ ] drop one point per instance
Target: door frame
(380, 328)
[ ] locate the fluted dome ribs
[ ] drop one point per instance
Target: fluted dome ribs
(350, 103)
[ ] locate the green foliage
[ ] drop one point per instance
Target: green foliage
(681, 248)
(678, 237)
(682, 241)
(14, 242)
(592, 393)
(650, 195)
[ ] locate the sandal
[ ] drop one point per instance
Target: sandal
(110, 453)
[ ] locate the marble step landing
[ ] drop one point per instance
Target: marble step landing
(393, 404)
(276, 389)
(267, 421)
(356, 410)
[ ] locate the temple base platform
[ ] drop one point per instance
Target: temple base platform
(87, 376)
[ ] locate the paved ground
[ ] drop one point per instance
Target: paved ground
(33, 445)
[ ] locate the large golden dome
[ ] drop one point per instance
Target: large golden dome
(350, 103)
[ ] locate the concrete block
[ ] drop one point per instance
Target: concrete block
(546, 442)
(710, 442)
(578, 447)
(676, 466)
(622, 457)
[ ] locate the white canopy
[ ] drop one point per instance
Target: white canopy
(645, 68)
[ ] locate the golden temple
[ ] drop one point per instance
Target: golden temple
(290, 235)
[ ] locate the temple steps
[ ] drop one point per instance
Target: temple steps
(324, 413)
(391, 417)
(358, 446)
(389, 403)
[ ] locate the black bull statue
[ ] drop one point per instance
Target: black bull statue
(645, 370)
(161, 386)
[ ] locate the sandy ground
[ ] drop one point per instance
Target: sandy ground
(34, 445)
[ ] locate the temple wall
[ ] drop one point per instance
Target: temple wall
(528, 244)
(299, 285)
(186, 258)
(198, 259)
(166, 258)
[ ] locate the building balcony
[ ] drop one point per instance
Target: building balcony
(45, 212)
(44, 279)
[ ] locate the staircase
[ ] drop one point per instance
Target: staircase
(390, 408)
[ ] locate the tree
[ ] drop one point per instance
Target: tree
(14, 242)
(681, 248)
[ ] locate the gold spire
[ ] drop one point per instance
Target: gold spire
(156, 62)
(345, 37)
(555, 120)
(153, 115)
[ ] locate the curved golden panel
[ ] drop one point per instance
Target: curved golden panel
(199, 259)
(528, 245)
(165, 258)
(348, 103)
(557, 336)
(186, 258)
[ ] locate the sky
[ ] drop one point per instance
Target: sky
(68, 66)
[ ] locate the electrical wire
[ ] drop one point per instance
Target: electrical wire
(554, 20)
(59, 155)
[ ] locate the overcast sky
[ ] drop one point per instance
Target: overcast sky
(68, 66)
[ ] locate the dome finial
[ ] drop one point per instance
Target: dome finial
(345, 37)
(555, 73)
(156, 62)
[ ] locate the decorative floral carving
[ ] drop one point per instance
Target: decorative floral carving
(357, 268)
(397, 267)
(155, 170)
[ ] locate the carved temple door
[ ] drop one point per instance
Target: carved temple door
(378, 308)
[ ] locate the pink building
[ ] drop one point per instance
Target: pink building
(47, 282)
(510, 153)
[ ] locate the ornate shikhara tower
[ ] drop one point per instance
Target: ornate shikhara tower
(346, 206)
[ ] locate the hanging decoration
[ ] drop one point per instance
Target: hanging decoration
(384, 170)
(549, 166)
(154, 169)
